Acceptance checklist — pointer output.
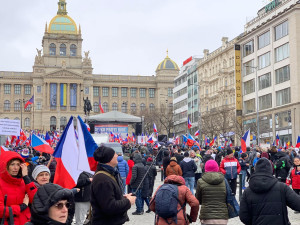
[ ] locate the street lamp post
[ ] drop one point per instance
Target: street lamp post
(21, 106)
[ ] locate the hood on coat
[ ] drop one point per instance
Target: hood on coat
(280, 154)
(174, 179)
(187, 159)
(260, 183)
(172, 163)
(137, 158)
(4, 159)
(213, 178)
(130, 163)
(120, 158)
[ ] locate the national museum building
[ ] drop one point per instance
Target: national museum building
(62, 77)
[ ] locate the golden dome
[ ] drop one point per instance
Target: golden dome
(167, 64)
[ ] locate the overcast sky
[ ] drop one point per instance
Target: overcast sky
(126, 37)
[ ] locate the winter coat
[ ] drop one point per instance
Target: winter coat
(184, 195)
(130, 166)
(123, 167)
(107, 200)
(138, 172)
(230, 167)
(188, 167)
(243, 164)
(145, 189)
(173, 169)
(179, 157)
(281, 165)
(294, 179)
(84, 184)
(166, 162)
(211, 194)
(152, 174)
(198, 164)
(265, 201)
(15, 188)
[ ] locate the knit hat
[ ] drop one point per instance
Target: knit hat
(264, 166)
(229, 151)
(173, 159)
(149, 159)
(265, 155)
(211, 166)
(25, 153)
(104, 154)
(186, 154)
(38, 169)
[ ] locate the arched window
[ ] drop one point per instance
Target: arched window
(73, 50)
(105, 106)
(133, 107)
(114, 107)
(6, 105)
(96, 107)
(124, 107)
(27, 122)
(63, 50)
(52, 123)
(28, 108)
(52, 49)
(17, 118)
(143, 107)
(152, 107)
(17, 106)
(63, 122)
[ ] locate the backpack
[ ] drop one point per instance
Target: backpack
(166, 201)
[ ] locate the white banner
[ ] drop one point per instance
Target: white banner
(10, 127)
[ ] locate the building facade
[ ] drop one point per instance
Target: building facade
(62, 78)
(270, 72)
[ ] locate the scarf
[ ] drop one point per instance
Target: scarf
(112, 171)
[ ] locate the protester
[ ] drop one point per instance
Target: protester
(230, 167)
(15, 183)
(265, 201)
(294, 177)
(109, 204)
(152, 175)
(123, 170)
(188, 168)
(199, 165)
(130, 163)
(244, 167)
(184, 196)
(178, 155)
(173, 168)
(282, 166)
(52, 205)
(166, 161)
(41, 174)
(211, 194)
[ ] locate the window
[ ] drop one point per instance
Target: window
(7, 89)
(151, 92)
(124, 92)
(124, 107)
(133, 92)
(265, 102)
(17, 89)
(6, 105)
(282, 74)
(264, 60)
(17, 106)
(96, 91)
(281, 30)
(39, 89)
(152, 107)
(264, 40)
(28, 108)
(114, 91)
(38, 105)
(133, 107)
(63, 50)
(105, 91)
(73, 50)
(142, 92)
(143, 107)
(52, 121)
(86, 90)
(27, 89)
(96, 107)
(170, 92)
(249, 87)
(282, 52)
(264, 81)
(283, 96)
(27, 122)
(114, 106)
(52, 49)
(63, 122)
(105, 107)
(248, 48)
(249, 106)
(248, 67)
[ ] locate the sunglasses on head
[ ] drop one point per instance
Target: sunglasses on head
(61, 205)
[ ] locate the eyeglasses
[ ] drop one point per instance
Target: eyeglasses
(61, 205)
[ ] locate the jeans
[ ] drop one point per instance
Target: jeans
(139, 201)
(232, 184)
(147, 202)
(189, 182)
(124, 184)
(244, 174)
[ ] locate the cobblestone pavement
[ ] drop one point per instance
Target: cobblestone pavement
(148, 218)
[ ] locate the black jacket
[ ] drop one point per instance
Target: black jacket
(282, 165)
(152, 175)
(188, 167)
(265, 201)
(138, 172)
(108, 203)
(178, 157)
(84, 183)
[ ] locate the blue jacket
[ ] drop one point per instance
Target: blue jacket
(188, 167)
(122, 166)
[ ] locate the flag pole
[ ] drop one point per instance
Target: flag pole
(33, 109)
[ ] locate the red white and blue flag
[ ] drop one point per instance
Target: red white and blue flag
(29, 102)
(298, 142)
(213, 141)
(245, 141)
(8, 141)
(100, 106)
(47, 138)
(39, 144)
(3, 149)
(150, 140)
(196, 133)
(189, 124)
(277, 140)
(154, 128)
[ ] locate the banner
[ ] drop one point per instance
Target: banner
(73, 94)
(10, 127)
(238, 83)
(63, 94)
(107, 128)
(53, 93)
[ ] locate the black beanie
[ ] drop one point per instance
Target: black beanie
(104, 154)
(186, 154)
(229, 151)
(263, 165)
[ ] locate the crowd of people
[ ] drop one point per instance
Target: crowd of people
(191, 176)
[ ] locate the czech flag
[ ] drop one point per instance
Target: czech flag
(184, 139)
(196, 133)
(87, 147)
(277, 140)
(29, 102)
(40, 145)
(206, 141)
(47, 138)
(150, 140)
(298, 142)
(8, 141)
(245, 142)
(100, 106)
(154, 128)
(189, 124)
(67, 154)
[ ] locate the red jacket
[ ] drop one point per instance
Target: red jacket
(295, 179)
(230, 167)
(130, 164)
(15, 189)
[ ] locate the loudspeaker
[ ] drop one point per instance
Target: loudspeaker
(138, 129)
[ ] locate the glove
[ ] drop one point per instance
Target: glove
(189, 218)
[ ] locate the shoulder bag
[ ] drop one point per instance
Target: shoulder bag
(231, 202)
